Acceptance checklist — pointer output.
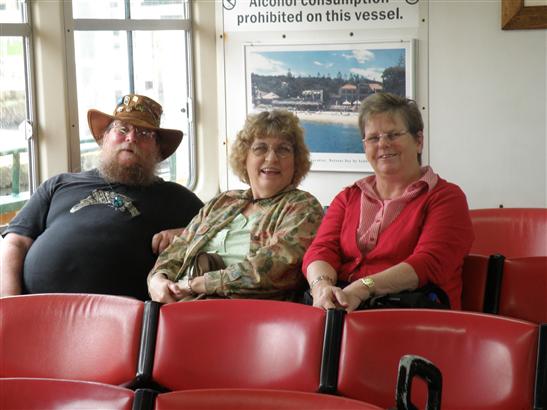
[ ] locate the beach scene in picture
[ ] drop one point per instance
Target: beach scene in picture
(324, 85)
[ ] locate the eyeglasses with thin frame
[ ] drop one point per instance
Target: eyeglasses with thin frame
(390, 136)
(281, 151)
(141, 133)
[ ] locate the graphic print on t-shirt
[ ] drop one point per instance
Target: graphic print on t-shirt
(114, 200)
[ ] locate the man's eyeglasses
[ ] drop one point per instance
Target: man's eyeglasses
(390, 136)
(281, 151)
(141, 133)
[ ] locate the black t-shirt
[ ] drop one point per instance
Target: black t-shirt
(94, 237)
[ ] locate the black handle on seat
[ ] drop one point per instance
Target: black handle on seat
(411, 366)
(148, 343)
(540, 390)
(144, 399)
(494, 278)
(328, 380)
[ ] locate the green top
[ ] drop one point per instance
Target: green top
(233, 242)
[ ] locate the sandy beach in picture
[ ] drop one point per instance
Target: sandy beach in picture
(333, 117)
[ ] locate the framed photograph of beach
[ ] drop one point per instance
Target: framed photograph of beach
(324, 84)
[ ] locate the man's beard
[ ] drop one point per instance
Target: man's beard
(140, 173)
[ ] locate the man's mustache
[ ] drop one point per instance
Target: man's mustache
(129, 146)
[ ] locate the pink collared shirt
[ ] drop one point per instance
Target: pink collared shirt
(377, 214)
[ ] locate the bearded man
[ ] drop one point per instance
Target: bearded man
(99, 231)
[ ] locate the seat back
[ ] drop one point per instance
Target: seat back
(474, 281)
(40, 394)
(486, 361)
(481, 283)
(255, 399)
(524, 289)
(70, 336)
(239, 344)
(512, 232)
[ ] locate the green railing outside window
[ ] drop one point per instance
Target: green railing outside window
(12, 198)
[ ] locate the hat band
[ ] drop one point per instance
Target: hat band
(141, 118)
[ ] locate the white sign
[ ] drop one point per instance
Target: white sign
(302, 15)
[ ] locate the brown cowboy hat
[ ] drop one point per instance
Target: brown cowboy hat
(139, 111)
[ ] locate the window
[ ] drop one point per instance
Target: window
(17, 176)
(131, 46)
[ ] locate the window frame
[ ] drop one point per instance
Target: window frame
(24, 30)
(72, 24)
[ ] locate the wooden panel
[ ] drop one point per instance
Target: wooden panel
(516, 16)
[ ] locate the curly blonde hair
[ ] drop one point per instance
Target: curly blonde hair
(278, 124)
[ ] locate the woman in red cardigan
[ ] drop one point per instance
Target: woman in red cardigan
(396, 230)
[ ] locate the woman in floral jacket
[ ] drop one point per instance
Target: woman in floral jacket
(260, 234)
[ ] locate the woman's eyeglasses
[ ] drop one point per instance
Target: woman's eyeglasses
(281, 151)
(390, 136)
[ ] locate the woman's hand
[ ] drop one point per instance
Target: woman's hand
(179, 291)
(159, 289)
(163, 239)
(328, 296)
(353, 300)
(355, 294)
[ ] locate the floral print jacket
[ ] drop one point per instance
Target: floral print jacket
(285, 227)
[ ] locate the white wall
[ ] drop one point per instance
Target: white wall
(487, 95)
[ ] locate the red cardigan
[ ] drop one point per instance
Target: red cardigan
(433, 233)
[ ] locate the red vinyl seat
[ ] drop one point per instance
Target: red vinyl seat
(239, 344)
(255, 399)
(512, 232)
(70, 336)
(524, 289)
(474, 280)
(487, 362)
(52, 394)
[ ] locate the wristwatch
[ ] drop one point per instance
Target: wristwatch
(368, 282)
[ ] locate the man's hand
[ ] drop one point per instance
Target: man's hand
(163, 239)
